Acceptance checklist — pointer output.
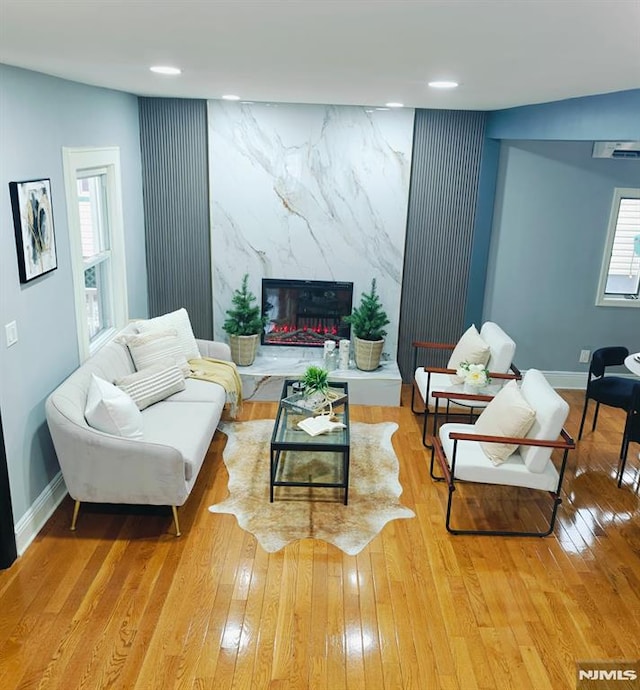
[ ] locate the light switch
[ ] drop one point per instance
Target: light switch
(11, 333)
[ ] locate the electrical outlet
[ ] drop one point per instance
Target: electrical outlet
(11, 333)
(584, 356)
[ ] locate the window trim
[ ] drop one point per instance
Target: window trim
(603, 299)
(76, 163)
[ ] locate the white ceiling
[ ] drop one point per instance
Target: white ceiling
(504, 53)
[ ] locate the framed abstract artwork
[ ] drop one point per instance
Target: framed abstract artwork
(33, 226)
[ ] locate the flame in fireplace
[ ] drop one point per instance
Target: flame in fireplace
(302, 334)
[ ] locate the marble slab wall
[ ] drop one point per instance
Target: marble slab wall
(308, 192)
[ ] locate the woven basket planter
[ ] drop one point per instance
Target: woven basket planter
(367, 353)
(243, 348)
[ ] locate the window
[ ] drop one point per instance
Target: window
(619, 284)
(93, 190)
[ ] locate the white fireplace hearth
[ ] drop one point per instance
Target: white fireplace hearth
(262, 381)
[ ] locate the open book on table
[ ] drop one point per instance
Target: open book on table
(322, 424)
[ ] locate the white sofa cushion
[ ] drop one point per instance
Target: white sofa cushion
(111, 410)
(473, 465)
(551, 414)
(502, 348)
(186, 426)
(157, 347)
(470, 348)
(153, 384)
(178, 320)
(196, 390)
(508, 414)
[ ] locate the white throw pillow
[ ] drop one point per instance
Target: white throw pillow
(508, 414)
(470, 348)
(111, 410)
(153, 384)
(161, 347)
(179, 320)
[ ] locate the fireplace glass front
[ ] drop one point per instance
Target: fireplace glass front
(305, 312)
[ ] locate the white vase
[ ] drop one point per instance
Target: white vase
(473, 390)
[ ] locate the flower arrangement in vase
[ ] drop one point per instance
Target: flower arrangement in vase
(474, 376)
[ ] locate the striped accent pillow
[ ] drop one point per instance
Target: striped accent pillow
(149, 349)
(178, 320)
(153, 384)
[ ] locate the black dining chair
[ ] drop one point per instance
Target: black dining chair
(614, 391)
(631, 429)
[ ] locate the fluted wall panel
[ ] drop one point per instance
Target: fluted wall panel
(173, 135)
(447, 152)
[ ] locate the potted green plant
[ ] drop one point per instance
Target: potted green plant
(315, 379)
(367, 324)
(244, 323)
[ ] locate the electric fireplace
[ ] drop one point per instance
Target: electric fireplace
(305, 312)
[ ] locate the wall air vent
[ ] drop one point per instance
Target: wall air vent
(616, 149)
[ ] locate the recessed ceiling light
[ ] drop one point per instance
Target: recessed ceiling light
(164, 69)
(443, 84)
(381, 108)
(230, 97)
(394, 105)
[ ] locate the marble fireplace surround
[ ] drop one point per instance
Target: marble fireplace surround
(308, 192)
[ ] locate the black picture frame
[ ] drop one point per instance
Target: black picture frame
(34, 228)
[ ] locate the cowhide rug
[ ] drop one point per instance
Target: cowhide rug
(302, 512)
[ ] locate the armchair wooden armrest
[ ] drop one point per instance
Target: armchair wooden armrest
(438, 370)
(515, 372)
(451, 395)
(428, 345)
(566, 443)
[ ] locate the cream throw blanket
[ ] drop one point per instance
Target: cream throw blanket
(221, 372)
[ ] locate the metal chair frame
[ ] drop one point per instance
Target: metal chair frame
(631, 430)
(565, 443)
(614, 356)
(418, 345)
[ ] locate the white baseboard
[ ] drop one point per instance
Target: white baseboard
(576, 380)
(42, 509)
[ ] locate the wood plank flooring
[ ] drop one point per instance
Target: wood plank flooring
(122, 603)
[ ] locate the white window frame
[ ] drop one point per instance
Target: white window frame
(603, 299)
(76, 162)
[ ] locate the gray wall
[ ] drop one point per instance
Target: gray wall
(38, 116)
(605, 117)
(443, 197)
(551, 216)
(176, 208)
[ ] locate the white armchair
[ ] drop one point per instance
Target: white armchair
(468, 452)
(492, 347)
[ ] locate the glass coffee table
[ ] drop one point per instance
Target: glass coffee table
(296, 456)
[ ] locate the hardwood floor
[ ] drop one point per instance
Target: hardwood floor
(121, 603)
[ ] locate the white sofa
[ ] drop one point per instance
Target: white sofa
(161, 468)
